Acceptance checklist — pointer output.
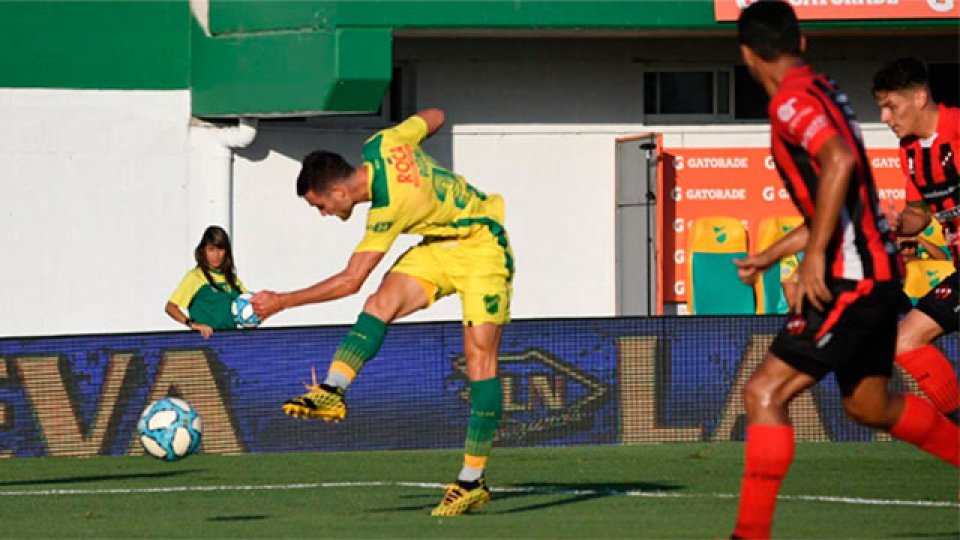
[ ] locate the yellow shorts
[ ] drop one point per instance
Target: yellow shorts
(479, 268)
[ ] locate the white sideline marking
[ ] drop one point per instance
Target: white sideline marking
(434, 485)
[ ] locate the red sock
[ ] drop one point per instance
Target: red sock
(768, 455)
(921, 425)
(934, 375)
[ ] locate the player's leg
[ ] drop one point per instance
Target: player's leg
(486, 397)
(906, 416)
(482, 273)
(770, 442)
(398, 295)
(935, 314)
(470, 491)
(863, 380)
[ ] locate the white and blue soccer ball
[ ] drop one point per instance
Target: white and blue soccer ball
(169, 429)
(243, 312)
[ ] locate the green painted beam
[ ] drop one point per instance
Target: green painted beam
(95, 44)
(255, 16)
(535, 14)
(291, 73)
(232, 17)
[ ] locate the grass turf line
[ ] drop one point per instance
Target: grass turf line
(571, 492)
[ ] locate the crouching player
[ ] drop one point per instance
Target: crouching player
(464, 251)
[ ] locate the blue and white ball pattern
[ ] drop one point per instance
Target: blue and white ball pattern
(243, 312)
(170, 429)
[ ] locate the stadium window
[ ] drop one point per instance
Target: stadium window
(750, 99)
(945, 83)
(702, 95)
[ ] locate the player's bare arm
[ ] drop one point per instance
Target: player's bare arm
(836, 165)
(434, 119)
(344, 283)
(750, 267)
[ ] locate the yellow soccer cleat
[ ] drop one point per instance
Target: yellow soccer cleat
(321, 401)
(460, 498)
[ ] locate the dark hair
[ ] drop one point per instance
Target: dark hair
(320, 170)
(909, 244)
(900, 74)
(770, 29)
(217, 237)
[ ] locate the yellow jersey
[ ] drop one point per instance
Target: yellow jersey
(207, 304)
(412, 194)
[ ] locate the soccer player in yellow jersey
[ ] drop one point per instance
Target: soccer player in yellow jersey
(464, 250)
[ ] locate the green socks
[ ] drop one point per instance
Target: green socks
(486, 407)
(359, 345)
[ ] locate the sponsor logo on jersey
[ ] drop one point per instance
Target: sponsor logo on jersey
(786, 111)
(401, 157)
(491, 302)
(942, 292)
(796, 325)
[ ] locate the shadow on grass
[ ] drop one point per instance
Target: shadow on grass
(96, 478)
(252, 517)
(560, 494)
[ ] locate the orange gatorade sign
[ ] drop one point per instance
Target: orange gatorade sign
(735, 182)
(729, 10)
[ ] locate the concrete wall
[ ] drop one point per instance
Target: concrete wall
(93, 196)
(92, 233)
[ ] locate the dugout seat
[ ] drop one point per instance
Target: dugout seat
(770, 298)
(923, 275)
(713, 285)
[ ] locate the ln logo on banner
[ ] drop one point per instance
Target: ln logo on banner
(542, 395)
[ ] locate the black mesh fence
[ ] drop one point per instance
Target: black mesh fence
(568, 381)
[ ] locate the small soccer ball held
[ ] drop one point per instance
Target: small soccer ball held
(243, 312)
(169, 429)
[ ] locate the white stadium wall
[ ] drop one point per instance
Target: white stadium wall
(92, 230)
(96, 225)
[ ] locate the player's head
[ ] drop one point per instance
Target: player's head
(902, 91)
(213, 252)
(767, 31)
(323, 183)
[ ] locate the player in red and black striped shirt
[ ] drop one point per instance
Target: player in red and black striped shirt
(845, 307)
(929, 148)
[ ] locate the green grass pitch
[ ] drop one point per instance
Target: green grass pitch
(677, 490)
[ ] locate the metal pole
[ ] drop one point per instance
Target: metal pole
(649, 150)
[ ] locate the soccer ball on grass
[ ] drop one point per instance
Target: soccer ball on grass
(169, 429)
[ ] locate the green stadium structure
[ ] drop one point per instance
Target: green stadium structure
(263, 57)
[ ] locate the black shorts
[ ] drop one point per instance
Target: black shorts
(942, 304)
(855, 336)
